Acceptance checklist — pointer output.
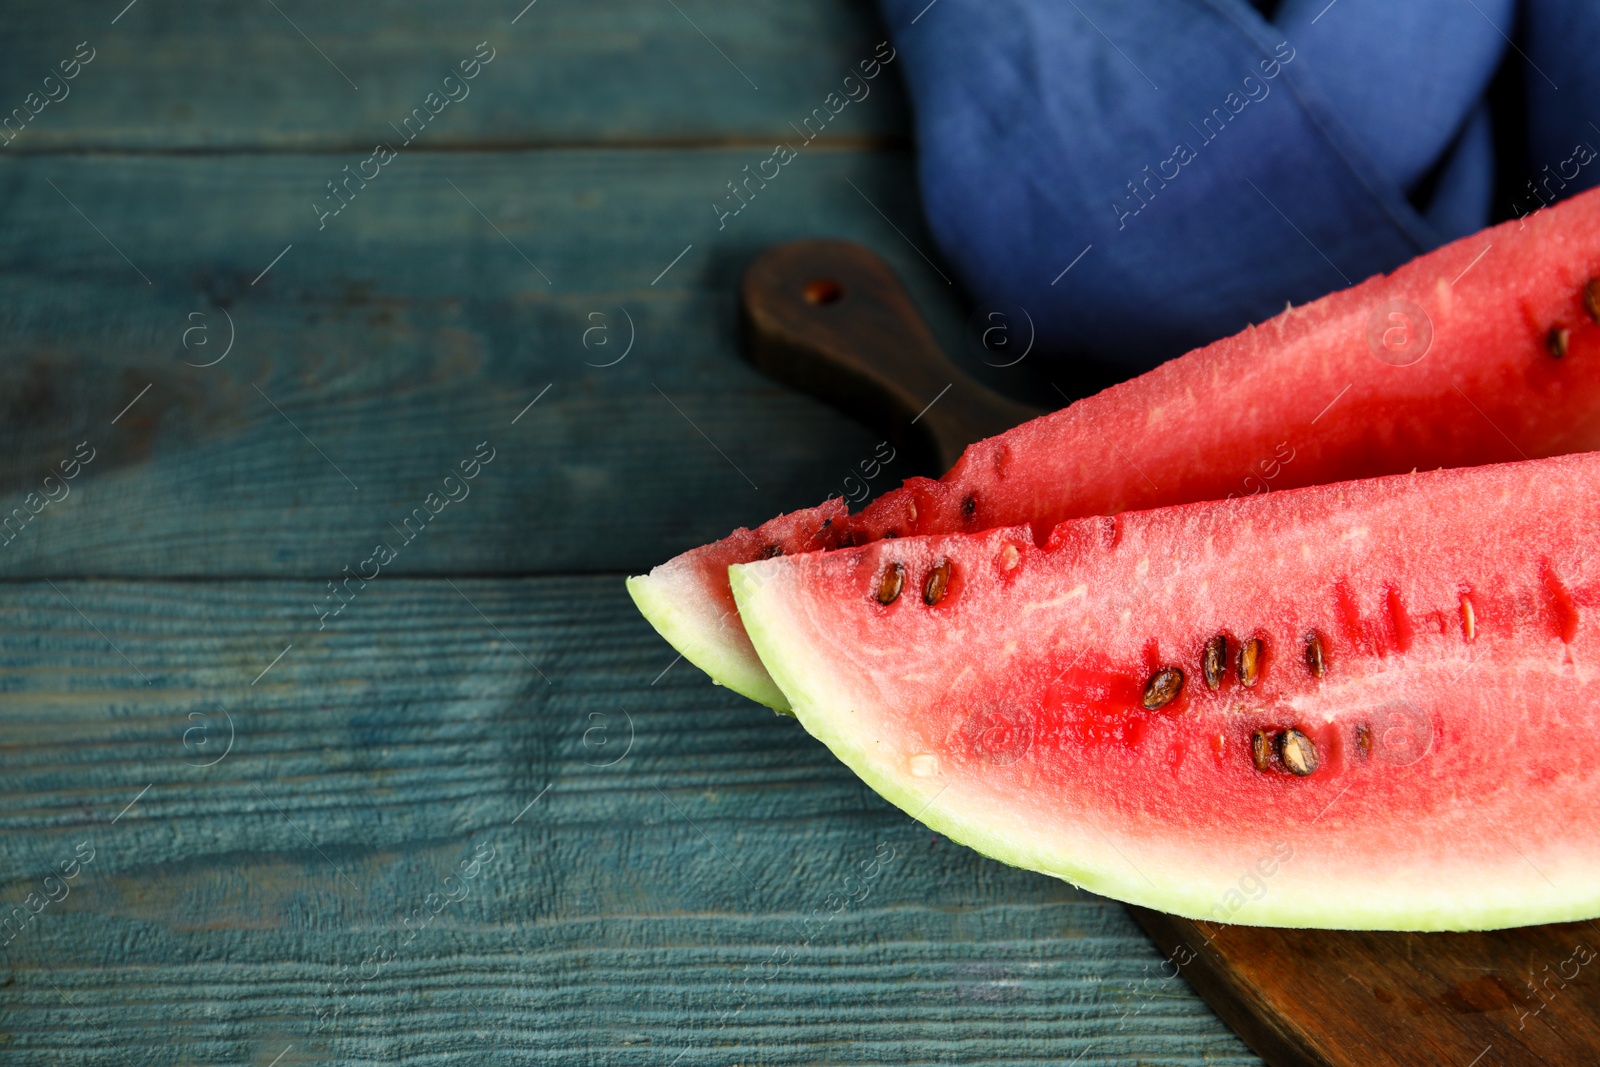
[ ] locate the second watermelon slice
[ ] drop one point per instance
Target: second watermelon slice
(1483, 351)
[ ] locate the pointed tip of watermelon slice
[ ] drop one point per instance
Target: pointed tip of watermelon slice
(666, 598)
(818, 700)
(767, 596)
(688, 601)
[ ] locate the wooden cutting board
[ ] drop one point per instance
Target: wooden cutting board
(830, 318)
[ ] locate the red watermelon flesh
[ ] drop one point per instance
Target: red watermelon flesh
(1408, 746)
(1512, 370)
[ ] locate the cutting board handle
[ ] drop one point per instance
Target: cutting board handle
(830, 319)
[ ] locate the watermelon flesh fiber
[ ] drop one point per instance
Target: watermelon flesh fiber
(1299, 400)
(1439, 774)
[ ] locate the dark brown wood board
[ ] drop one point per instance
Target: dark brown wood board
(829, 318)
(1347, 998)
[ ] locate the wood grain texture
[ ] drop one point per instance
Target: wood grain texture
(655, 909)
(399, 337)
(666, 895)
(831, 319)
(191, 75)
(1318, 998)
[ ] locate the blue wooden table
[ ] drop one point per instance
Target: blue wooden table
(274, 795)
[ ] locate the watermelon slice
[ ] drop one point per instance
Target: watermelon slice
(1482, 351)
(688, 601)
(1361, 705)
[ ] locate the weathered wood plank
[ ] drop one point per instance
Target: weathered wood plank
(184, 74)
(673, 893)
(377, 352)
(268, 792)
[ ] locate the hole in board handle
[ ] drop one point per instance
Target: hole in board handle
(823, 291)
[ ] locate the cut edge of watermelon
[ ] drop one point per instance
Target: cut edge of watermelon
(808, 676)
(1535, 298)
(807, 684)
(688, 601)
(675, 605)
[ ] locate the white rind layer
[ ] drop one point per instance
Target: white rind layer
(676, 605)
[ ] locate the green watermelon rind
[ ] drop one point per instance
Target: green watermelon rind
(804, 678)
(797, 677)
(707, 647)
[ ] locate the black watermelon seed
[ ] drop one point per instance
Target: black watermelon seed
(890, 584)
(1163, 688)
(1261, 751)
(1298, 753)
(938, 582)
(1314, 658)
(1250, 661)
(1214, 661)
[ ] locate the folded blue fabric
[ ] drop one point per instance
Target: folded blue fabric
(1145, 176)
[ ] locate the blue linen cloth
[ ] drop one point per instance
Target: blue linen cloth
(1197, 163)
